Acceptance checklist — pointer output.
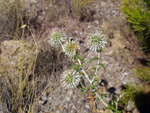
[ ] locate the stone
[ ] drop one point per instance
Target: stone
(68, 99)
(73, 111)
(96, 22)
(87, 106)
(111, 35)
(109, 44)
(75, 33)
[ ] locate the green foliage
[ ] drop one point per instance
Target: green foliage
(80, 58)
(138, 14)
(113, 108)
(137, 92)
(81, 89)
(75, 67)
(131, 92)
(92, 59)
(147, 2)
(102, 65)
(148, 63)
(143, 73)
(91, 87)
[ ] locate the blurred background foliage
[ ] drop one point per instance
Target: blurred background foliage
(137, 13)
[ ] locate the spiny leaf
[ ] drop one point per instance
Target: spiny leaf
(91, 75)
(80, 58)
(93, 68)
(113, 108)
(95, 58)
(102, 65)
(81, 89)
(91, 86)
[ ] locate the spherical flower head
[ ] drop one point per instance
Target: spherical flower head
(70, 79)
(57, 37)
(70, 48)
(98, 41)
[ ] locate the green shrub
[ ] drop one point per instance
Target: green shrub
(132, 91)
(143, 74)
(147, 2)
(139, 92)
(137, 13)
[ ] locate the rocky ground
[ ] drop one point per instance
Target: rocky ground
(120, 56)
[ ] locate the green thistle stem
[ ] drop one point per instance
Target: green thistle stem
(79, 62)
(98, 54)
(97, 63)
(61, 45)
(86, 75)
(101, 99)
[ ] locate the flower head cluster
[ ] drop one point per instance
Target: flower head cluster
(97, 40)
(57, 37)
(70, 48)
(69, 79)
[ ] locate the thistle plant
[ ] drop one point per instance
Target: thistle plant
(97, 40)
(70, 48)
(72, 78)
(57, 38)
